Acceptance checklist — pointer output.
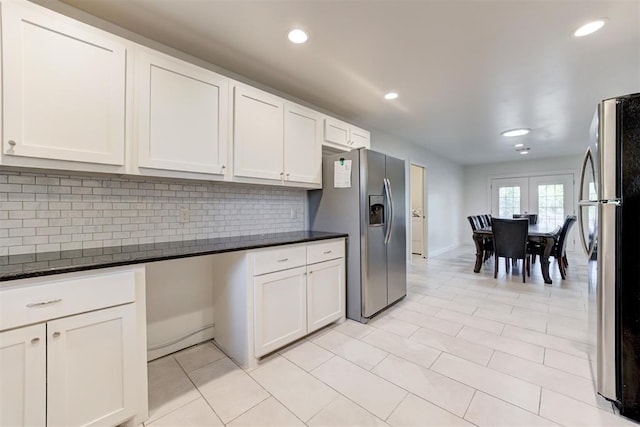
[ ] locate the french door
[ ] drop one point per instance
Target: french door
(549, 196)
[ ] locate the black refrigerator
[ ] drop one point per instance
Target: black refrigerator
(610, 232)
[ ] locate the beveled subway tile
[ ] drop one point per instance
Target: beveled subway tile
(508, 345)
(299, 391)
(436, 388)
(545, 376)
(403, 347)
(356, 351)
(414, 411)
(497, 384)
(488, 411)
(473, 321)
(430, 322)
(376, 395)
(473, 352)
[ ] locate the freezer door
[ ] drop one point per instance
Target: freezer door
(397, 242)
(374, 255)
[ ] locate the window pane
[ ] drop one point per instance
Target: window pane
(508, 201)
(551, 204)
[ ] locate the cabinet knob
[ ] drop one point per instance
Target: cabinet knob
(287, 175)
(281, 173)
(12, 143)
(223, 167)
(311, 272)
(35, 341)
(56, 334)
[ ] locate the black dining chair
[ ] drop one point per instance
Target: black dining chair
(510, 242)
(486, 243)
(559, 250)
(533, 218)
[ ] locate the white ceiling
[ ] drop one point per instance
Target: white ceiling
(465, 69)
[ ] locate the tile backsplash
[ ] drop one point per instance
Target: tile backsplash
(51, 212)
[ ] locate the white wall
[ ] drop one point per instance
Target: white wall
(477, 193)
(444, 190)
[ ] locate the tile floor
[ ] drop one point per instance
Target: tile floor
(461, 349)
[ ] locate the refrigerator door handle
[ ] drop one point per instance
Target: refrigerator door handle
(583, 239)
(387, 190)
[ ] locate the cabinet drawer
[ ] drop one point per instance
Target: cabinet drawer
(278, 259)
(318, 252)
(64, 297)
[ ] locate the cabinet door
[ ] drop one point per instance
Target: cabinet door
(302, 145)
(360, 138)
(280, 307)
(23, 376)
(336, 131)
(258, 134)
(182, 113)
(325, 293)
(64, 87)
(91, 360)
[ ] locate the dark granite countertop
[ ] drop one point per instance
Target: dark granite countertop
(15, 267)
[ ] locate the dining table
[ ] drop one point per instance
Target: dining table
(540, 234)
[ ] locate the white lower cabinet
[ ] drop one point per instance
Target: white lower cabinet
(23, 373)
(91, 368)
(280, 309)
(73, 368)
(325, 293)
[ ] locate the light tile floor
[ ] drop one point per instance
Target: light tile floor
(461, 349)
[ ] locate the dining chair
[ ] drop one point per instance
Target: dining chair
(559, 250)
(510, 242)
(533, 218)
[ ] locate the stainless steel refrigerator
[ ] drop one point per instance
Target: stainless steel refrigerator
(363, 195)
(610, 232)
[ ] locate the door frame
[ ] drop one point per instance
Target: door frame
(425, 224)
(576, 179)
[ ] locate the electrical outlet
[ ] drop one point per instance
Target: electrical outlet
(294, 213)
(183, 214)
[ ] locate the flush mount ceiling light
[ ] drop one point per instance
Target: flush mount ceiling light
(524, 152)
(297, 36)
(515, 132)
(518, 145)
(590, 27)
(391, 95)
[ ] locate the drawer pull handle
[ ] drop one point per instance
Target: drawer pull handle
(327, 252)
(56, 334)
(35, 341)
(283, 260)
(40, 304)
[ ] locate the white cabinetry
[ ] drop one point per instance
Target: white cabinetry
(278, 295)
(275, 141)
(64, 100)
(258, 134)
(181, 115)
(302, 145)
(81, 362)
(343, 136)
(280, 309)
(23, 373)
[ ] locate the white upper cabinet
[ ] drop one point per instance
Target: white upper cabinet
(342, 135)
(258, 134)
(302, 145)
(64, 88)
(181, 115)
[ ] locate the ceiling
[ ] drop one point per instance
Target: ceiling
(465, 69)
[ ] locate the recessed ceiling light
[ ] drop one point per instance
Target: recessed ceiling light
(519, 145)
(297, 36)
(524, 152)
(391, 95)
(590, 28)
(515, 132)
